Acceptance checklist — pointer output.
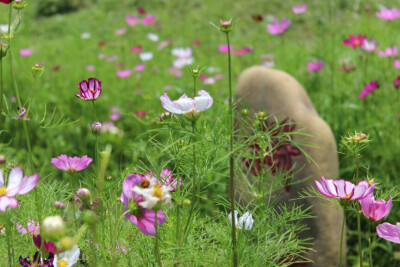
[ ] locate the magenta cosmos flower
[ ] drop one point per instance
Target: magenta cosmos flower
(26, 52)
(69, 164)
(185, 105)
(18, 184)
(389, 232)
(278, 27)
(143, 218)
(368, 89)
(345, 190)
(396, 82)
(90, 89)
(388, 14)
(299, 9)
(355, 41)
(375, 210)
(388, 52)
(149, 20)
(315, 66)
(132, 20)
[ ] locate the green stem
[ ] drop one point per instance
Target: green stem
(341, 239)
(32, 96)
(1, 93)
(115, 236)
(9, 239)
(156, 247)
(359, 237)
(370, 245)
(231, 161)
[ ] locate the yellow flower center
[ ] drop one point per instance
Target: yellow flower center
(357, 42)
(348, 195)
(157, 192)
(62, 263)
(3, 191)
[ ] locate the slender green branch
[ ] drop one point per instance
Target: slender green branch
(115, 237)
(370, 245)
(341, 239)
(156, 246)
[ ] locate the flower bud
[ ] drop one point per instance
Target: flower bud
(245, 112)
(165, 116)
(181, 142)
(19, 4)
(59, 205)
(261, 115)
(187, 202)
(226, 25)
(53, 228)
(3, 159)
(3, 49)
(37, 70)
(96, 127)
(66, 243)
(83, 194)
(358, 137)
(89, 217)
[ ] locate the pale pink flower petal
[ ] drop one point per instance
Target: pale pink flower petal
(389, 232)
(26, 52)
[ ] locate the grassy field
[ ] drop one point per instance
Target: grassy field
(84, 43)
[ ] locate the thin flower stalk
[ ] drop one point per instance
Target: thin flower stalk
(10, 246)
(370, 245)
(360, 254)
(341, 239)
(156, 245)
(1, 92)
(114, 242)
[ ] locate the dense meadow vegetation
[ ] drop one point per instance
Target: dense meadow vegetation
(140, 50)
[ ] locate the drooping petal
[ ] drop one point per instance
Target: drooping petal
(389, 232)
(169, 105)
(204, 101)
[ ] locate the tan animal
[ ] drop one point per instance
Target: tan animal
(278, 93)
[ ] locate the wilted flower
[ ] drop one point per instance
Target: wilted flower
(139, 216)
(278, 27)
(48, 246)
(96, 126)
(67, 258)
(369, 88)
(355, 41)
(186, 105)
(315, 66)
(375, 210)
(389, 52)
(299, 9)
(18, 184)
(245, 222)
(369, 45)
(90, 89)
(389, 232)
(388, 14)
(53, 227)
(344, 190)
(36, 261)
(22, 114)
(71, 164)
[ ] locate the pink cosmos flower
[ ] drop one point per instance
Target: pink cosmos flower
(90, 89)
(168, 180)
(140, 114)
(369, 45)
(137, 49)
(140, 67)
(149, 20)
(69, 164)
(396, 64)
(175, 71)
(315, 66)
(389, 232)
(120, 31)
(345, 190)
(278, 28)
(389, 52)
(299, 9)
(396, 82)
(124, 73)
(355, 41)
(369, 88)
(139, 216)
(132, 20)
(164, 44)
(186, 105)
(26, 52)
(224, 48)
(48, 246)
(18, 184)
(243, 51)
(388, 14)
(33, 228)
(373, 209)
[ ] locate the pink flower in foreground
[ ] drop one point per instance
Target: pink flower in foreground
(396, 82)
(388, 14)
(132, 20)
(315, 66)
(90, 89)
(299, 9)
(124, 73)
(369, 45)
(369, 88)
(18, 184)
(375, 210)
(139, 216)
(149, 20)
(278, 28)
(224, 48)
(26, 52)
(389, 52)
(186, 105)
(345, 190)
(69, 164)
(389, 232)
(355, 41)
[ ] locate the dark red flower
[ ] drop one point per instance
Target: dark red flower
(48, 246)
(141, 10)
(257, 18)
(5, 1)
(281, 159)
(396, 82)
(37, 262)
(141, 114)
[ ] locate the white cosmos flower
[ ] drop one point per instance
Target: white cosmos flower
(153, 195)
(187, 105)
(179, 63)
(67, 258)
(145, 56)
(245, 222)
(153, 37)
(182, 52)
